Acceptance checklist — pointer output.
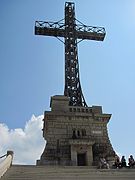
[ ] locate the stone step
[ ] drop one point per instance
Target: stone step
(21, 172)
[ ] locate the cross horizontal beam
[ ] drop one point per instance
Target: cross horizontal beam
(57, 29)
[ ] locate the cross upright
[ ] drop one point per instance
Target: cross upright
(71, 31)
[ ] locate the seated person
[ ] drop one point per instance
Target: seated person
(131, 161)
(103, 164)
(123, 162)
(117, 163)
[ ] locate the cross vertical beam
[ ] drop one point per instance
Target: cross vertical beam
(71, 31)
(72, 80)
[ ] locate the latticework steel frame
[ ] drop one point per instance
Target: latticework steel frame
(71, 31)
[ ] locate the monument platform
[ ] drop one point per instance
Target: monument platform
(23, 172)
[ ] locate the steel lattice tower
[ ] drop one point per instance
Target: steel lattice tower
(71, 31)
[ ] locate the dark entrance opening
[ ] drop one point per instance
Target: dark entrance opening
(81, 159)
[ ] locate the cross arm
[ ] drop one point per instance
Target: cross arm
(90, 32)
(81, 31)
(50, 28)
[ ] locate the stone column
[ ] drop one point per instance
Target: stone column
(89, 156)
(73, 155)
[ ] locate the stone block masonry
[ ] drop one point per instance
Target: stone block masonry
(75, 135)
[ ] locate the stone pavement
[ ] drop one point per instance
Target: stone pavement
(28, 172)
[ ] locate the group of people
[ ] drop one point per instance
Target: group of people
(119, 163)
(122, 163)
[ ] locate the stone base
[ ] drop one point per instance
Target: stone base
(75, 135)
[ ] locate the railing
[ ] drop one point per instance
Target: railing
(6, 163)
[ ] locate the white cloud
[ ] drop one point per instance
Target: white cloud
(27, 143)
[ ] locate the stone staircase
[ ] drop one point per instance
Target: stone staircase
(29, 172)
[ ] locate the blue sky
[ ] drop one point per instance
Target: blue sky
(32, 67)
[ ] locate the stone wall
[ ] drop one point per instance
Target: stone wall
(68, 130)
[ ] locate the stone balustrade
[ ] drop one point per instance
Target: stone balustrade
(6, 163)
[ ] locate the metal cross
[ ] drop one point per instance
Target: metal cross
(71, 31)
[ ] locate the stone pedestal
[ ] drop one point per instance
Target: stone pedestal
(75, 135)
